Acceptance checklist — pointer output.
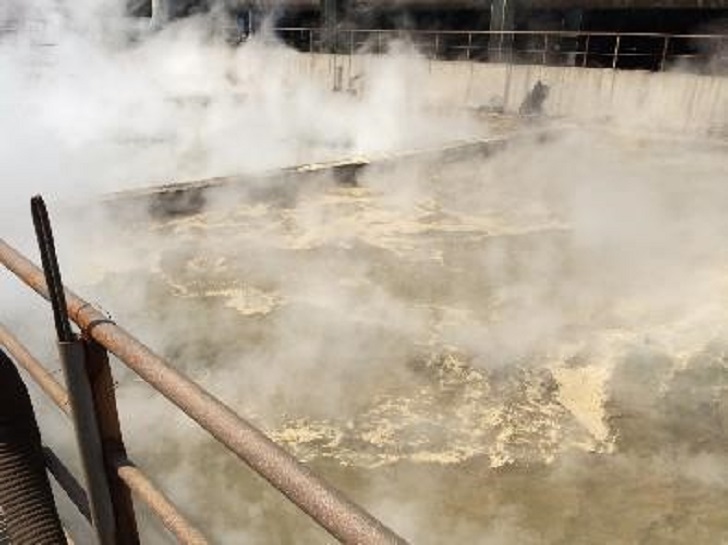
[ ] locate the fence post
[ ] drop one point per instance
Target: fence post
(470, 44)
(615, 54)
(91, 394)
(73, 360)
(665, 49)
(586, 51)
(437, 45)
(107, 417)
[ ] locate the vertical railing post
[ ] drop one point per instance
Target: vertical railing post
(88, 392)
(90, 448)
(665, 49)
(507, 83)
(470, 44)
(545, 48)
(437, 45)
(586, 51)
(107, 417)
(615, 54)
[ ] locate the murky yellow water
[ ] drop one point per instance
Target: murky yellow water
(476, 358)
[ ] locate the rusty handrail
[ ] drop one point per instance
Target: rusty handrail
(42, 377)
(145, 490)
(142, 487)
(341, 517)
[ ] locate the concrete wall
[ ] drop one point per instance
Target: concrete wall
(671, 101)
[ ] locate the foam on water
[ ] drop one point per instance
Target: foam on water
(457, 326)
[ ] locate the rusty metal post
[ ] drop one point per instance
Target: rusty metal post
(88, 441)
(107, 418)
(72, 352)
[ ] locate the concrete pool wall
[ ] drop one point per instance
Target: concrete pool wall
(668, 100)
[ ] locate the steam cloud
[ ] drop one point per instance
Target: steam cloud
(483, 351)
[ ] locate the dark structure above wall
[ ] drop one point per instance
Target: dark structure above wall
(668, 16)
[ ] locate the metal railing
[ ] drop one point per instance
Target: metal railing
(110, 476)
(651, 51)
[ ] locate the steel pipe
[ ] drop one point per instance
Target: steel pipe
(145, 490)
(36, 370)
(342, 518)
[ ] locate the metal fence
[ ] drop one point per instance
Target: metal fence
(110, 477)
(650, 51)
(705, 53)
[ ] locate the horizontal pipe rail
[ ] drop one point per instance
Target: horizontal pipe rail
(342, 518)
(564, 33)
(130, 474)
(436, 44)
(36, 370)
(145, 490)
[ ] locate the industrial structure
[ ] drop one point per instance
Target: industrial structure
(510, 25)
(667, 16)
